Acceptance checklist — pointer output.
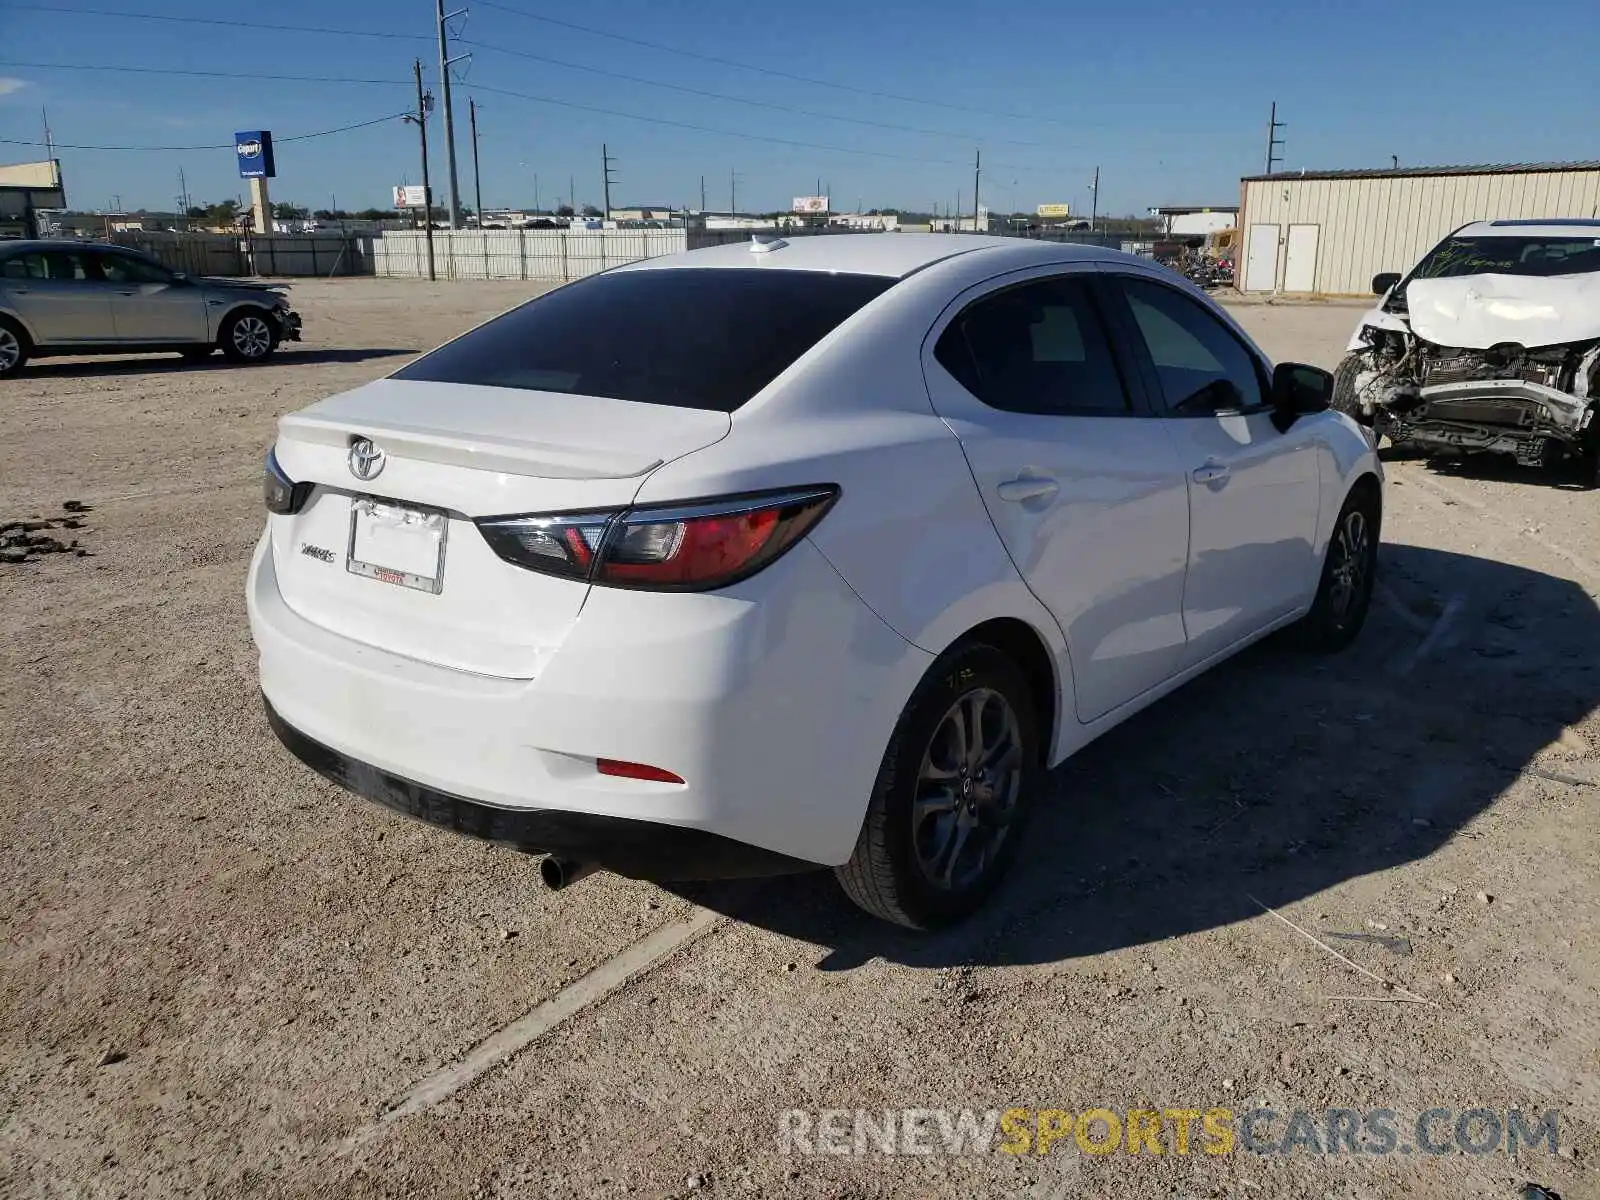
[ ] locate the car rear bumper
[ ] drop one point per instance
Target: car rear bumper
(639, 849)
(773, 700)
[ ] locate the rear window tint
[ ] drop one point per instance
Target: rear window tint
(691, 338)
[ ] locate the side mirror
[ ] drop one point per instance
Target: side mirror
(1299, 389)
(1383, 281)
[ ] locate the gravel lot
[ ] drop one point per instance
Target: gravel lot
(221, 976)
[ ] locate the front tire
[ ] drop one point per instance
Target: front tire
(13, 348)
(247, 336)
(952, 794)
(1344, 594)
(1344, 398)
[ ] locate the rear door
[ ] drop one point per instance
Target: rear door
(1253, 491)
(61, 295)
(149, 304)
(1081, 481)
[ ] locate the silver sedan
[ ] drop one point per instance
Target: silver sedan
(77, 298)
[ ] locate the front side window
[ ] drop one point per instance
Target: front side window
(1036, 348)
(124, 268)
(1202, 367)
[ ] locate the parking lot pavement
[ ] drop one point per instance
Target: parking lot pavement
(221, 976)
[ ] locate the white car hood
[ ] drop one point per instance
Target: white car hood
(1474, 312)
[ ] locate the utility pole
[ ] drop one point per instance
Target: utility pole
(572, 194)
(445, 62)
(605, 164)
(1273, 140)
(420, 117)
(702, 193)
(183, 192)
(733, 193)
(477, 180)
(977, 173)
(1094, 199)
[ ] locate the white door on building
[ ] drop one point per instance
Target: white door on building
(1261, 259)
(1300, 263)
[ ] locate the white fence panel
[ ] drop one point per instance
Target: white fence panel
(519, 254)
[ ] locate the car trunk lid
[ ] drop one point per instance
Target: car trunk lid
(394, 560)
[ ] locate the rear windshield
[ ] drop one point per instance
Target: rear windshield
(1510, 256)
(692, 337)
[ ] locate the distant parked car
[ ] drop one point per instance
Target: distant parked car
(79, 298)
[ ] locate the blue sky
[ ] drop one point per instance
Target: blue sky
(1169, 100)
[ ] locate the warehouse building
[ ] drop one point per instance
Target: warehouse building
(1330, 232)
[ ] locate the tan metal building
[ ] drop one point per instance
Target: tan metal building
(1330, 232)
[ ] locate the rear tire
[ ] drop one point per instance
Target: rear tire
(14, 348)
(948, 808)
(247, 336)
(1349, 570)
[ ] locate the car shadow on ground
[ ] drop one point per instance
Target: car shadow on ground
(70, 368)
(1570, 475)
(1266, 781)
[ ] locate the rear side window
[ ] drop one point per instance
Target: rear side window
(53, 264)
(1036, 348)
(691, 338)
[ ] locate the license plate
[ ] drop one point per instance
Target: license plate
(394, 543)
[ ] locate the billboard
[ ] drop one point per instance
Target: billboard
(254, 148)
(1054, 210)
(810, 204)
(411, 196)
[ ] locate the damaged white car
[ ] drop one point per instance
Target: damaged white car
(1492, 343)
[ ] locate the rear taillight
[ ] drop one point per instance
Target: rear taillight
(282, 494)
(693, 546)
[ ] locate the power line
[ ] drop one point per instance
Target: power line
(754, 137)
(229, 24)
(743, 66)
(694, 91)
(299, 137)
(32, 66)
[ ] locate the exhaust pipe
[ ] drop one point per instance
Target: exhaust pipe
(559, 873)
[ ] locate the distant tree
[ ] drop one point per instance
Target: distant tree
(285, 211)
(372, 214)
(590, 210)
(196, 211)
(224, 212)
(565, 211)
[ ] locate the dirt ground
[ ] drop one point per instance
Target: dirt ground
(221, 976)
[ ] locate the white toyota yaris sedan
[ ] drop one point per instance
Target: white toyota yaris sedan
(779, 556)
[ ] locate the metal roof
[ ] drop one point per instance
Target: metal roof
(1401, 172)
(895, 255)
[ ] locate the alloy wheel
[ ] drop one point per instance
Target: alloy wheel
(10, 349)
(251, 337)
(967, 790)
(1350, 566)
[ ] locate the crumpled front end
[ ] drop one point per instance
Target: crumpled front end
(1451, 374)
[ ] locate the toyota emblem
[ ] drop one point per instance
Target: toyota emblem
(366, 460)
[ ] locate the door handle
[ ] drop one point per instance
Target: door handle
(1031, 487)
(1212, 472)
